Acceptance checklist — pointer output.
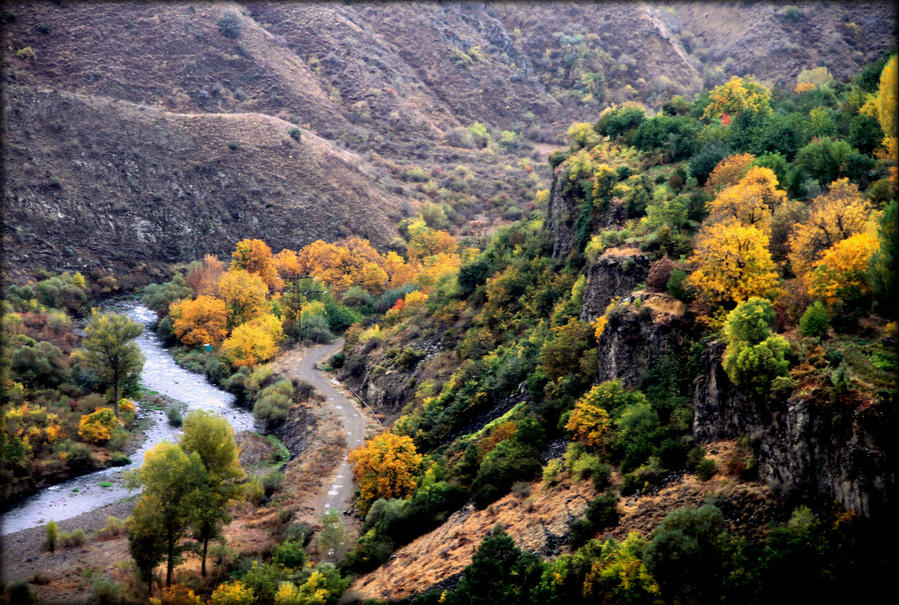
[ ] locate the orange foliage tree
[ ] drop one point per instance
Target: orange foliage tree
(589, 422)
(344, 264)
(255, 256)
(729, 171)
(425, 242)
(200, 321)
(732, 263)
(385, 467)
(254, 341)
(833, 217)
(203, 276)
(244, 295)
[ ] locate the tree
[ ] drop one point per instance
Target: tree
(170, 479)
(385, 467)
(332, 537)
(499, 573)
(589, 422)
(887, 98)
(146, 543)
(244, 294)
(736, 96)
(255, 256)
(212, 438)
(97, 426)
(254, 341)
(729, 171)
(754, 356)
(840, 276)
(882, 266)
(732, 263)
(110, 352)
(814, 322)
(834, 216)
(203, 276)
(751, 201)
(200, 321)
(686, 554)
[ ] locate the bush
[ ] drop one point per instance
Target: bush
(295, 133)
(52, 533)
(601, 513)
(815, 322)
(706, 469)
(106, 592)
(271, 482)
(299, 532)
(114, 527)
(73, 538)
(174, 416)
(230, 25)
(274, 403)
(20, 592)
(660, 274)
(290, 554)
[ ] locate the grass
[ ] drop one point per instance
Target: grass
(105, 484)
(870, 362)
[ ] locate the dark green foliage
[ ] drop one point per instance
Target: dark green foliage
(159, 296)
(864, 133)
(704, 161)
(868, 79)
(676, 286)
(827, 159)
(471, 276)
(295, 133)
(289, 554)
(882, 265)
(620, 121)
(706, 469)
(783, 133)
(815, 322)
(174, 416)
(686, 554)
(509, 462)
(340, 317)
(38, 365)
(64, 291)
(601, 513)
(676, 138)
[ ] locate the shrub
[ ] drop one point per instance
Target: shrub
(73, 538)
(96, 427)
(660, 274)
(106, 592)
(254, 491)
(20, 592)
(114, 526)
(271, 482)
(290, 554)
(815, 322)
(602, 512)
(52, 533)
(706, 469)
(230, 25)
(551, 471)
(274, 403)
(174, 416)
(299, 532)
(294, 133)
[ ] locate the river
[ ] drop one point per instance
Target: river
(160, 374)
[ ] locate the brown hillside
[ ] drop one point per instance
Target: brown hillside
(89, 178)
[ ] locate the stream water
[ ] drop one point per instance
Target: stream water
(160, 374)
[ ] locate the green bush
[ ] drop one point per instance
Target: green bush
(815, 322)
(73, 538)
(174, 416)
(106, 592)
(52, 533)
(114, 527)
(295, 133)
(706, 469)
(290, 554)
(299, 532)
(601, 513)
(271, 482)
(274, 403)
(754, 356)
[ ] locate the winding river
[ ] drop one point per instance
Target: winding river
(160, 374)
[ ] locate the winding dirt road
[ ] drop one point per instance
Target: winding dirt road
(341, 490)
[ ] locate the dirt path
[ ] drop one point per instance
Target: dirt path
(341, 490)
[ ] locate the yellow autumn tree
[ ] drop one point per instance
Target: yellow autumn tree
(839, 213)
(343, 264)
(729, 171)
(253, 342)
(255, 256)
(200, 321)
(244, 294)
(97, 426)
(841, 272)
(385, 467)
(738, 95)
(887, 99)
(732, 263)
(399, 272)
(751, 201)
(589, 422)
(287, 263)
(425, 242)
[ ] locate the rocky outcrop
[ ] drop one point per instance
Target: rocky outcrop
(613, 274)
(842, 451)
(636, 339)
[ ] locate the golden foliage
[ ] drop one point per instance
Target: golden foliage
(842, 267)
(736, 96)
(887, 98)
(729, 171)
(97, 426)
(751, 201)
(255, 256)
(254, 341)
(589, 422)
(834, 216)
(732, 263)
(288, 265)
(232, 593)
(244, 294)
(385, 467)
(200, 321)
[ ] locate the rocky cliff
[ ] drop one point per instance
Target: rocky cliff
(844, 451)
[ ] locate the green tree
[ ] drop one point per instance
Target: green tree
(754, 356)
(110, 352)
(212, 439)
(145, 542)
(814, 323)
(882, 265)
(172, 479)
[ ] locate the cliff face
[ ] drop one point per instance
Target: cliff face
(844, 452)
(615, 273)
